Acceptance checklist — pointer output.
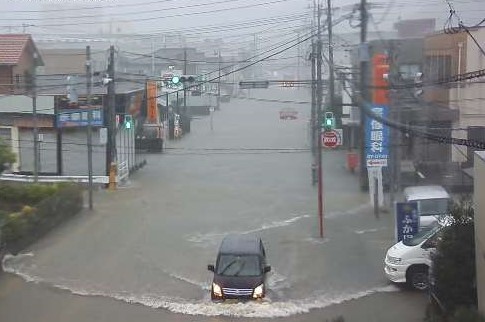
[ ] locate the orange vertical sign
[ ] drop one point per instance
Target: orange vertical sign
(152, 108)
(380, 66)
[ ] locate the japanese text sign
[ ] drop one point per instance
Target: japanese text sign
(407, 220)
(377, 138)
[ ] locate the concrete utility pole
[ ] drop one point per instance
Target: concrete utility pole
(331, 67)
(219, 82)
(364, 70)
(34, 116)
(90, 120)
(314, 104)
(183, 84)
(313, 125)
(319, 119)
(111, 152)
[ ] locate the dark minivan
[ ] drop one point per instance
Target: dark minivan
(240, 270)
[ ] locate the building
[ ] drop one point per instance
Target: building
(479, 201)
(62, 126)
(446, 55)
(18, 58)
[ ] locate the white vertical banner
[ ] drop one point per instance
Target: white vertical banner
(376, 173)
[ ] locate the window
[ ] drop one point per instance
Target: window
(409, 71)
(239, 265)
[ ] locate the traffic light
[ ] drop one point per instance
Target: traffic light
(182, 79)
(175, 80)
(187, 79)
(329, 122)
(128, 122)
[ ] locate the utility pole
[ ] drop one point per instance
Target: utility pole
(34, 116)
(364, 95)
(314, 104)
(153, 58)
(111, 153)
(319, 119)
(298, 57)
(331, 67)
(185, 73)
(90, 130)
(218, 106)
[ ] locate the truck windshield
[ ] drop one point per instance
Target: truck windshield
(422, 236)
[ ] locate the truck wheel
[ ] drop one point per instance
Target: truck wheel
(417, 278)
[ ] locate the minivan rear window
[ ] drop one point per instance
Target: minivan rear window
(239, 265)
(430, 207)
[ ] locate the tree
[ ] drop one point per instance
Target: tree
(6, 155)
(454, 270)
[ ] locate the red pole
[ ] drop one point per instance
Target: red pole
(320, 188)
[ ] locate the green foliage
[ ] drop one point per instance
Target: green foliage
(17, 226)
(6, 155)
(53, 204)
(454, 261)
(26, 194)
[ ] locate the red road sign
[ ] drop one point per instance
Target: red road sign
(329, 139)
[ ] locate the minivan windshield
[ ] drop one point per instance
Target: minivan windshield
(421, 236)
(239, 265)
(432, 207)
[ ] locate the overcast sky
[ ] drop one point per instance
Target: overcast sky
(268, 18)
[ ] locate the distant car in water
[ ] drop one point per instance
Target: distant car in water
(288, 114)
(240, 269)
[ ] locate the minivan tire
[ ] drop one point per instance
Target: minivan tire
(417, 278)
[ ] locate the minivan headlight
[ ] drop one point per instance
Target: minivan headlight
(394, 260)
(258, 291)
(216, 289)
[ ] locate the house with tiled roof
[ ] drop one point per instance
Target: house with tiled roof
(18, 56)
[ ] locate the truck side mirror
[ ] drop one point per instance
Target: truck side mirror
(210, 268)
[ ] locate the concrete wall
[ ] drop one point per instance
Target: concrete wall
(479, 199)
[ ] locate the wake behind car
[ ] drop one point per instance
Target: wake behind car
(240, 270)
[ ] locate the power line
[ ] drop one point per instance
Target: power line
(125, 13)
(92, 7)
(169, 16)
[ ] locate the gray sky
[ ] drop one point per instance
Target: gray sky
(134, 15)
(271, 19)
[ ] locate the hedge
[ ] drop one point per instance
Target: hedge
(24, 227)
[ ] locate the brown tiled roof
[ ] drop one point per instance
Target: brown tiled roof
(11, 47)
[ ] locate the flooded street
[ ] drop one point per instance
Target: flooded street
(147, 245)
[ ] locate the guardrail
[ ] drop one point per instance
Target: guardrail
(123, 171)
(53, 179)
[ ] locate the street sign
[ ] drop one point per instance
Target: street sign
(253, 84)
(330, 139)
(407, 220)
(377, 138)
(79, 117)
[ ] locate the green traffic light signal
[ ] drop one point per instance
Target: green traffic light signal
(329, 121)
(128, 122)
(175, 80)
